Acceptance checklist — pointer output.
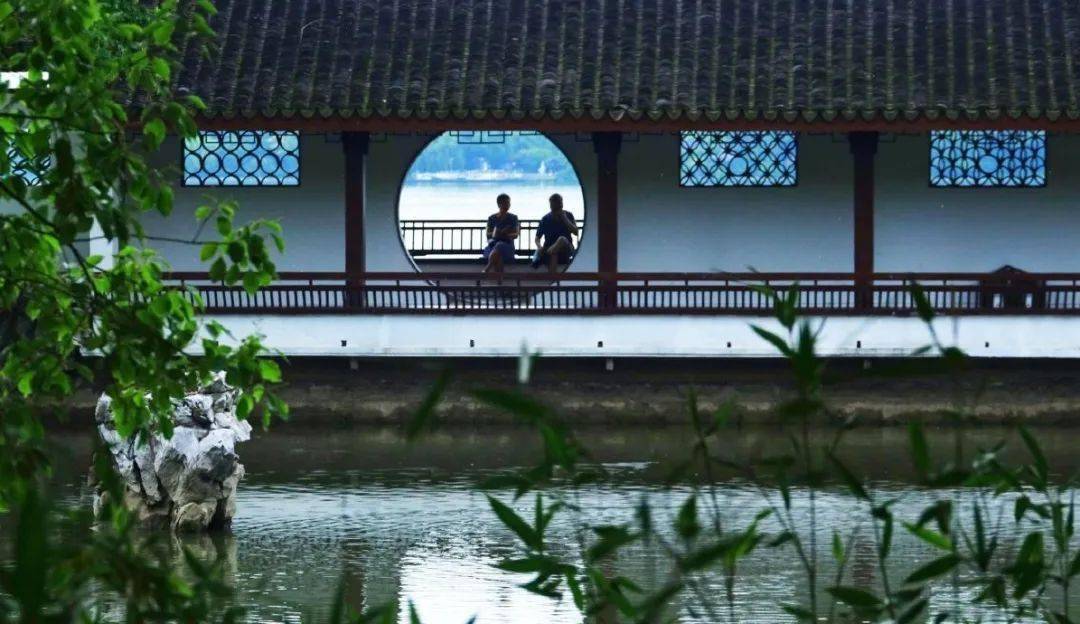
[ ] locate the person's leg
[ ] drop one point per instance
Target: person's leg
(557, 249)
(490, 256)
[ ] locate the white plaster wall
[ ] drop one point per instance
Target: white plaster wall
(664, 227)
(388, 161)
(646, 336)
(920, 228)
(312, 214)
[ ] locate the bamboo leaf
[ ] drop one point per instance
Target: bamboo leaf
(935, 539)
(854, 597)
(515, 523)
(849, 478)
(934, 569)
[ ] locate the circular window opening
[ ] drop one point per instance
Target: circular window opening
(449, 209)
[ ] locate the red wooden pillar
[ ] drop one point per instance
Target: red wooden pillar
(355, 145)
(607, 146)
(863, 149)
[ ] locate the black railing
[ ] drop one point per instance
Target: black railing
(639, 293)
(459, 237)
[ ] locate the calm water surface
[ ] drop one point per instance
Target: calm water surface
(477, 201)
(393, 520)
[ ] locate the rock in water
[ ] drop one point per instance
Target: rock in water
(186, 482)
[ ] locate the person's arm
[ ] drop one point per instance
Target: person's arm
(491, 229)
(570, 224)
(512, 230)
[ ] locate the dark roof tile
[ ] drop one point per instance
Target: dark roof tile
(710, 59)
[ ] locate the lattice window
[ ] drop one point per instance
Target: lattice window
(487, 137)
(739, 159)
(245, 158)
(988, 158)
(24, 169)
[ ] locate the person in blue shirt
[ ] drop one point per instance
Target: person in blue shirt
(502, 230)
(554, 236)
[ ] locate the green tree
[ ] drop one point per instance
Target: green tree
(95, 99)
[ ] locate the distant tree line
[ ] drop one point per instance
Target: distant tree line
(527, 153)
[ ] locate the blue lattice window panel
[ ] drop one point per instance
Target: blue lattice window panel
(753, 158)
(21, 167)
(988, 158)
(245, 158)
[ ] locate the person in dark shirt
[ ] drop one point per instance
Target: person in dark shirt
(554, 236)
(502, 230)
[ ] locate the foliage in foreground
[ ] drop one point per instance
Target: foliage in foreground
(73, 171)
(1007, 579)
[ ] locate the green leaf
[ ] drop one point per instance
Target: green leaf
(161, 68)
(854, 597)
(853, 483)
(1042, 469)
(920, 453)
(513, 402)
(1074, 567)
(801, 614)
(837, 547)
(25, 382)
(515, 523)
(154, 131)
(934, 569)
(269, 371)
(686, 523)
(774, 340)
(935, 539)
(912, 612)
(922, 304)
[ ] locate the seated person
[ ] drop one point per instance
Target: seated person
(502, 229)
(554, 236)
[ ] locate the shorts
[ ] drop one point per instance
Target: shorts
(503, 248)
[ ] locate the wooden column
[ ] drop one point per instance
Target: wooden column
(607, 146)
(863, 149)
(355, 145)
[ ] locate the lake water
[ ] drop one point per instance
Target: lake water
(477, 201)
(391, 520)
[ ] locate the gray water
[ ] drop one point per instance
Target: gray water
(390, 520)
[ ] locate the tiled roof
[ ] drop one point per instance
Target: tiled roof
(660, 59)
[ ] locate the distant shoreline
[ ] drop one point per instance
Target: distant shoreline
(412, 180)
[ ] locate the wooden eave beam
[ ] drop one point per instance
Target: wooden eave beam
(588, 124)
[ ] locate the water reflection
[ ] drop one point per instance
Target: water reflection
(389, 521)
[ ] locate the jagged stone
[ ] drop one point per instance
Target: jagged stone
(194, 516)
(103, 409)
(218, 385)
(186, 482)
(201, 407)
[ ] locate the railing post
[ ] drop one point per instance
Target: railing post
(355, 145)
(607, 145)
(863, 149)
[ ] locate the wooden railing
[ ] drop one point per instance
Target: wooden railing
(459, 237)
(638, 293)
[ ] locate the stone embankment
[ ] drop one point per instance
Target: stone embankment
(186, 482)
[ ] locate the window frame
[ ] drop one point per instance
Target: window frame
(998, 187)
(19, 170)
(184, 175)
(796, 170)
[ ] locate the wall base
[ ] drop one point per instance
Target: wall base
(647, 336)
